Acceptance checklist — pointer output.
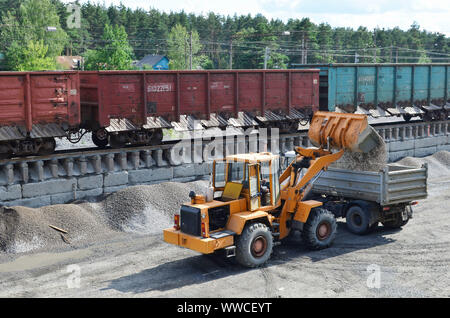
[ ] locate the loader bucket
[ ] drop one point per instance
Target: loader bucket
(345, 131)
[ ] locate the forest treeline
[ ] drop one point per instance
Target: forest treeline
(33, 32)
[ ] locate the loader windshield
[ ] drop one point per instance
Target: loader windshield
(236, 172)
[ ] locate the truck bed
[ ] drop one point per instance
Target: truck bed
(395, 184)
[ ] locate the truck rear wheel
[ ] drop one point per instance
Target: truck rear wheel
(357, 220)
(396, 223)
(254, 246)
(320, 229)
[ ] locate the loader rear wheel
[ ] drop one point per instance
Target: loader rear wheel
(254, 246)
(320, 229)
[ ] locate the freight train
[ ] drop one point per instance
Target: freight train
(133, 107)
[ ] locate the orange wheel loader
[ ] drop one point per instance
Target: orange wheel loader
(253, 207)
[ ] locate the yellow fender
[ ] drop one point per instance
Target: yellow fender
(304, 209)
(238, 220)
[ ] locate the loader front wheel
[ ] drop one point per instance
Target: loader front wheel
(254, 246)
(320, 229)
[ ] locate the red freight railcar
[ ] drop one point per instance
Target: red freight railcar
(134, 106)
(35, 107)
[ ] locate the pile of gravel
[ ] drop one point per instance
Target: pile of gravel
(438, 164)
(138, 210)
(24, 229)
(148, 209)
(374, 160)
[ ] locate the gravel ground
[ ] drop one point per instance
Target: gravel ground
(128, 259)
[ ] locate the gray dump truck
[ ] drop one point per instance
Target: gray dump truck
(366, 198)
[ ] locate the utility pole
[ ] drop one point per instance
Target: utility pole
(231, 54)
(190, 50)
(185, 53)
(266, 57)
(306, 51)
(356, 57)
(303, 49)
(396, 56)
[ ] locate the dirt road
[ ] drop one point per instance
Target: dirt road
(412, 262)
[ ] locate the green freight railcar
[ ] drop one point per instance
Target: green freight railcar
(385, 90)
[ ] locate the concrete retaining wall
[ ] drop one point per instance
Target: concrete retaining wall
(64, 179)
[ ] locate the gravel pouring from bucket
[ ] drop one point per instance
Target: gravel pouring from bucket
(342, 131)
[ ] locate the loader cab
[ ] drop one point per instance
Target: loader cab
(251, 176)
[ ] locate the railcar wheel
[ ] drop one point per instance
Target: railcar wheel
(48, 147)
(157, 137)
(406, 117)
(100, 138)
(117, 141)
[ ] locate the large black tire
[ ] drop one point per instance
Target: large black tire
(396, 223)
(358, 220)
(254, 246)
(320, 229)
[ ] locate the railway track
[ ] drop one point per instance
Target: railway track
(386, 129)
(69, 175)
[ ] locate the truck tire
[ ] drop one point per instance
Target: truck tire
(396, 223)
(320, 229)
(357, 220)
(254, 246)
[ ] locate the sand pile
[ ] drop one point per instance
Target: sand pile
(374, 160)
(140, 209)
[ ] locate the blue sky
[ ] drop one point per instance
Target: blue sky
(432, 15)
